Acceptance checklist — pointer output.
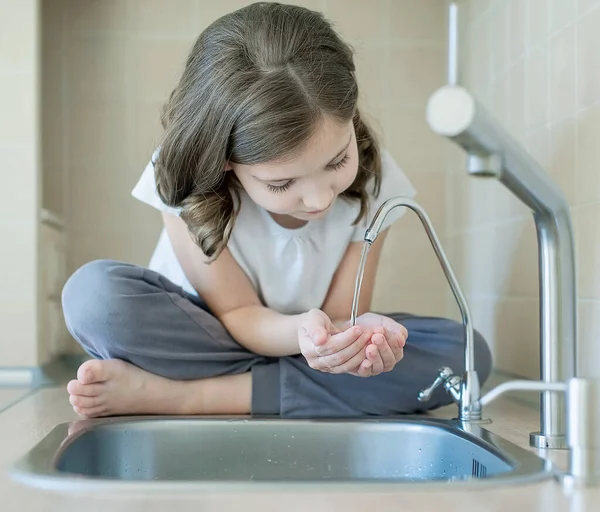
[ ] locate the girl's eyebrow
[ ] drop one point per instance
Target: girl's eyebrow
(341, 152)
(283, 180)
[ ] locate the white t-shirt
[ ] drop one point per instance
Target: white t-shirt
(290, 269)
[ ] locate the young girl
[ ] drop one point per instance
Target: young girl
(267, 178)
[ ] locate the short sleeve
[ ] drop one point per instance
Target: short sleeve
(394, 183)
(145, 190)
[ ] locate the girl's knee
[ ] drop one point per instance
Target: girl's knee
(90, 301)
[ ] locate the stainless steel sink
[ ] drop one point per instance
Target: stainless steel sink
(165, 452)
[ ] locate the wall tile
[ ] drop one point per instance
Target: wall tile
(133, 247)
(93, 137)
(103, 198)
(498, 39)
(589, 339)
(588, 156)
(483, 311)
(158, 66)
(475, 9)
(517, 337)
(18, 204)
(96, 16)
(563, 75)
(537, 88)
(588, 251)
(19, 282)
(478, 71)
(515, 113)
(517, 21)
(498, 99)
(17, 46)
(431, 190)
(477, 248)
(18, 321)
(418, 20)
(413, 144)
(372, 72)
(372, 26)
(588, 63)
(98, 69)
(585, 5)
(538, 144)
(147, 130)
(415, 73)
(158, 18)
(538, 15)
(18, 117)
(410, 260)
(515, 259)
(562, 13)
(563, 146)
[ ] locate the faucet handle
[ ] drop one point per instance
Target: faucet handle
(444, 374)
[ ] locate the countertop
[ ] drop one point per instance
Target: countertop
(25, 423)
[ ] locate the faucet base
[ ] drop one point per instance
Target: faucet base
(539, 440)
(481, 421)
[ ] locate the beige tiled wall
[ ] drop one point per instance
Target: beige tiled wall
(122, 58)
(535, 64)
(19, 154)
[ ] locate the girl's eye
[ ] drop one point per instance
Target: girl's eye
(339, 164)
(280, 188)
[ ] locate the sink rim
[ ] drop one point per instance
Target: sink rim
(37, 467)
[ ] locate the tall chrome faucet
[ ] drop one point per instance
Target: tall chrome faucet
(455, 113)
(465, 390)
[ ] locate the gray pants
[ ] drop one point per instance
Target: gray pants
(120, 311)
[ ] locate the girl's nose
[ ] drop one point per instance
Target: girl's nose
(319, 199)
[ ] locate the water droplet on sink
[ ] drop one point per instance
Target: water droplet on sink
(269, 460)
(420, 450)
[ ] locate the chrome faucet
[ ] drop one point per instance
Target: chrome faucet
(582, 411)
(464, 390)
(453, 112)
(581, 407)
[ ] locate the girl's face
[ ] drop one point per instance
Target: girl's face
(306, 186)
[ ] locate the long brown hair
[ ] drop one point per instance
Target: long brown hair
(256, 84)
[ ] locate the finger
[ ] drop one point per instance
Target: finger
(388, 357)
(340, 341)
(356, 361)
(396, 343)
(399, 330)
(315, 325)
(365, 369)
(346, 359)
(319, 336)
(374, 355)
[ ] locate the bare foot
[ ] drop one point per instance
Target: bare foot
(114, 387)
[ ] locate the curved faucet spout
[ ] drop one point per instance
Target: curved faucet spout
(470, 407)
(371, 235)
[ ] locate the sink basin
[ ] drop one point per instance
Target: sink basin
(165, 452)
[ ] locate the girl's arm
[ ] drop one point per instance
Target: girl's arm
(231, 298)
(338, 303)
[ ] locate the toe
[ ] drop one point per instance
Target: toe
(77, 388)
(94, 412)
(93, 371)
(74, 387)
(85, 402)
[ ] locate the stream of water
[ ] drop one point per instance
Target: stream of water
(359, 280)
